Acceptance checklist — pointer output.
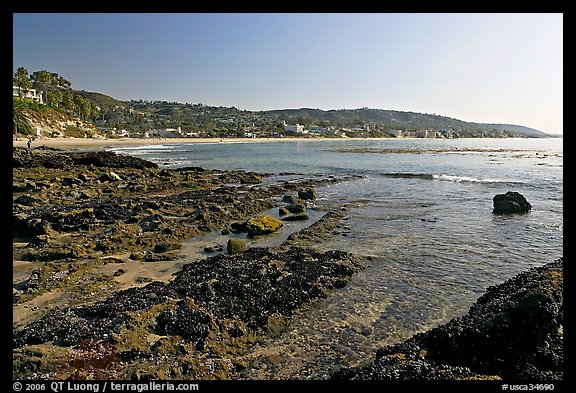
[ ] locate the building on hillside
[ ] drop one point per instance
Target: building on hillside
(29, 94)
(296, 129)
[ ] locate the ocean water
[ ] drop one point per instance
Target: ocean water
(422, 210)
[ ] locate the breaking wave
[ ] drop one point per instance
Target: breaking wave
(444, 177)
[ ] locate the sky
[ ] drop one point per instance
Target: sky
(479, 67)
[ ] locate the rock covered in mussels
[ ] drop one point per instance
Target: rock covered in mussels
(251, 287)
(511, 202)
(514, 331)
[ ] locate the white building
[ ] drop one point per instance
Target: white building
(165, 133)
(299, 129)
(29, 94)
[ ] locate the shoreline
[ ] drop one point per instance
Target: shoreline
(116, 288)
(81, 143)
(69, 143)
(137, 262)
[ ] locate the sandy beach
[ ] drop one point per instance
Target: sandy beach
(88, 143)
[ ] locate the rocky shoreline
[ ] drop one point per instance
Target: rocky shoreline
(513, 332)
(77, 213)
(103, 289)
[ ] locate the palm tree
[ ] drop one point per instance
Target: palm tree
(21, 80)
(20, 123)
(44, 80)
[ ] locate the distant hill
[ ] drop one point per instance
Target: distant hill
(100, 99)
(376, 122)
(135, 117)
(391, 119)
(530, 132)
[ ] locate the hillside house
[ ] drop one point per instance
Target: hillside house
(29, 94)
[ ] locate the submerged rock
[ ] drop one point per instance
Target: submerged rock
(296, 217)
(511, 202)
(514, 331)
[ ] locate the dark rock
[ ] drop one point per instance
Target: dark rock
(307, 194)
(511, 202)
(72, 325)
(259, 282)
(68, 181)
(34, 280)
(109, 177)
(27, 200)
(296, 217)
(239, 227)
(290, 199)
(163, 256)
(248, 287)
(27, 187)
(186, 321)
(119, 272)
(514, 331)
(167, 246)
(283, 211)
(137, 256)
(251, 178)
(299, 206)
(110, 160)
(39, 241)
(26, 158)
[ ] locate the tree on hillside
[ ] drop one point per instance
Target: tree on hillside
(83, 106)
(94, 109)
(21, 80)
(61, 82)
(68, 101)
(56, 97)
(43, 80)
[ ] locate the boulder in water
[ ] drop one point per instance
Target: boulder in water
(511, 202)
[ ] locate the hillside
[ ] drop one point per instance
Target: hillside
(38, 120)
(100, 99)
(363, 122)
(390, 120)
(138, 116)
(93, 112)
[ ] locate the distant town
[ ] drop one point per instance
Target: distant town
(48, 95)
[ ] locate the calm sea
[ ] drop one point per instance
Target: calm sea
(422, 209)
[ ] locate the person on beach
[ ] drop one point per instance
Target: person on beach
(29, 143)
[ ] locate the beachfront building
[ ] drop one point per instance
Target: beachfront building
(29, 94)
(426, 134)
(296, 129)
(165, 133)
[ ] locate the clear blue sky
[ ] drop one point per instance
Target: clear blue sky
(485, 67)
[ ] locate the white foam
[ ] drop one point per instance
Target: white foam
(458, 179)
